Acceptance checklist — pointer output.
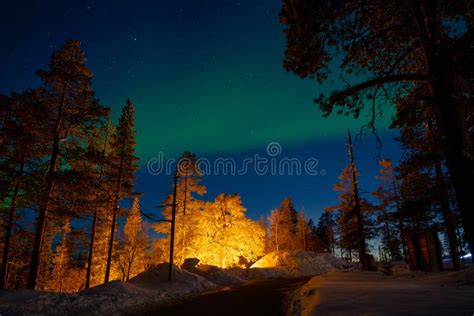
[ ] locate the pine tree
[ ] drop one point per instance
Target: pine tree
(354, 220)
(71, 112)
(101, 243)
(121, 170)
(302, 231)
(61, 259)
(19, 163)
(313, 242)
(19, 260)
(388, 204)
(186, 182)
(325, 231)
(101, 194)
(283, 227)
(274, 231)
(132, 253)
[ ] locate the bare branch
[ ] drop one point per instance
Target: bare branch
(341, 95)
(153, 219)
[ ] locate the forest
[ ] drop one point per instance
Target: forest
(66, 162)
(70, 212)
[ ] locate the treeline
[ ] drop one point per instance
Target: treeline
(64, 163)
(414, 197)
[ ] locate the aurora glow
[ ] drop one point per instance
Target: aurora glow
(204, 76)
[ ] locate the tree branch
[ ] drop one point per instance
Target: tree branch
(340, 95)
(153, 219)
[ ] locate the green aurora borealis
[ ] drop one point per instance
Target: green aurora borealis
(205, 76)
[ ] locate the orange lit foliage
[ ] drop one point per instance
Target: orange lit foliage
(217, 233)
(186, 220)
(132, 249)
(65, 276)
(230, 236)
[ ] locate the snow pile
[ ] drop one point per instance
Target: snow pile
(210, 272)
(148, 288)
(299, 263)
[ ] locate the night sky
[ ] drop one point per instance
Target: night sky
(205, 76)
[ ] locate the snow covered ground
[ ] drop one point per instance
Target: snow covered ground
(372, 293)
(300, 263)
(150, 287)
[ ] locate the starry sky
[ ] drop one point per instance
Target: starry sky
(205, 76)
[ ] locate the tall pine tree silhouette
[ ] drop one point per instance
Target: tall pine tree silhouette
(71, 113)
(121, 168)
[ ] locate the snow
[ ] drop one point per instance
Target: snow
(148, 288)
(210, 272)
(152, 288)
(299, 263)
(372, 293)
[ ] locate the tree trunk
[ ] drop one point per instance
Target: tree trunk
(358, 211)
(94, 221)
(8, 230)
(450, 118)
(91, 251)
(399, 222)
(173, 220)
(111, 242)
(129, 268)
(43, 211)
(112, 227)
(448, 217)
(114, 221)
(185, 192)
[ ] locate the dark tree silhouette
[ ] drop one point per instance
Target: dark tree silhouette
(420, 139)
(121, 168)
(22, 148)
(397, 45)
(72, 111)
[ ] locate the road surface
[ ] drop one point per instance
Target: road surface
(259, 298)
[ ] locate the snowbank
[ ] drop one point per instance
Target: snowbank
(372, 293)
(299, 263)
(210, 272)
(148, 288)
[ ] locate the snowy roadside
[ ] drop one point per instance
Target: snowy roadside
(152, 288)
(372, 293)
(148, 288)
(300, 263)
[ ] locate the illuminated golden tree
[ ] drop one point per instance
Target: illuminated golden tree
(231, 238)
(217, 233)
(132, 253)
